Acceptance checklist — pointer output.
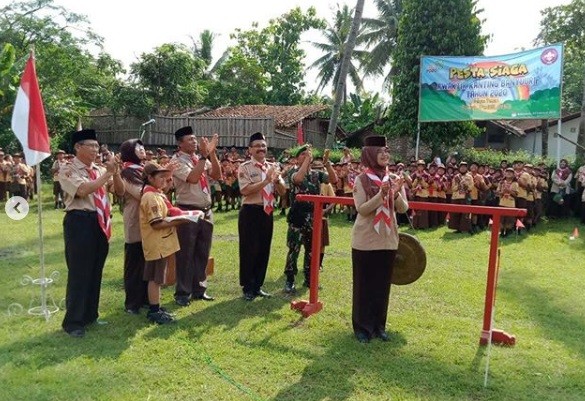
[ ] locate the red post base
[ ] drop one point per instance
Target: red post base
(498, 337)
(306, 308)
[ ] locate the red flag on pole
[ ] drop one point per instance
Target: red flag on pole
(28, 118)
(300, 139)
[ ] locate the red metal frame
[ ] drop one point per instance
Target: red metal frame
(307, 308)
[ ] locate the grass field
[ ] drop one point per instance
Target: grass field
(262, 350)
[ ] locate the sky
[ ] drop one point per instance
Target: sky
(133, 27)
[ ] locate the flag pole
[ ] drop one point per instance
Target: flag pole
(43, 278)
(30, 127)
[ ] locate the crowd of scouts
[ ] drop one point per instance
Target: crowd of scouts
(167, 205)
(516, 184)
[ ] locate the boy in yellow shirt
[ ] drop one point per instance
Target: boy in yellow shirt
(159, 236)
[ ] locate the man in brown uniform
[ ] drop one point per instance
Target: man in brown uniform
(192, 192)
(57, 191)
(258, 180)
(86, 228)
(20, 175)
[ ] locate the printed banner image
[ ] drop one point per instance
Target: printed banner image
(517, 86)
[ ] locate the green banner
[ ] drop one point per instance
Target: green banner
(517, 86)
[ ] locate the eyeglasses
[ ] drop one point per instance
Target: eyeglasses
(259, 146)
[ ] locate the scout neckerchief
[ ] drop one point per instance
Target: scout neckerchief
(132, 172)
(267, 191)
(563, 173)
(102, 205)
(203, 179)
(382, 212)
(172, 210)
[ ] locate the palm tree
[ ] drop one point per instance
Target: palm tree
(348, 52)
(380, 36)
(202, 48)
(329, 64)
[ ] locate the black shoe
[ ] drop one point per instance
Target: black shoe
(182, 301)
(289, 287)
(362, 338)
(382, 335)
(248, 296)
(131, 311)
(159, 317)
(167, 312)
(263, 294)
(204, 297)
(77, 333)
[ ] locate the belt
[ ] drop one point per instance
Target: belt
(81, 212)
(253, 205)
(193, 207)
(206, 210)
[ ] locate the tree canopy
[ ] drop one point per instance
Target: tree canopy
(431, 27)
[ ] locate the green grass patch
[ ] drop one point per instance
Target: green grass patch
(262, 350)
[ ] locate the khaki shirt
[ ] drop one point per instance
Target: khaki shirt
(71, 176)
(132, 195)
(156, 243)
(248, 174)
(363, 236)
(507, 200)
(20, 172)
(327, 189)
(186, 193)
(57, 166)
(461, 185)
(524, 180)
(5, 171)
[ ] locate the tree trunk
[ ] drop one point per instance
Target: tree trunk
(580, 152)
(351, 39)
(544, 137)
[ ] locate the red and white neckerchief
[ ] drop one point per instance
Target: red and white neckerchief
(102, 205)
(383, 213)
(203, 179)
(267, 191)
(133, 166)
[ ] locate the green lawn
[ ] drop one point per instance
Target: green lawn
(262, 350)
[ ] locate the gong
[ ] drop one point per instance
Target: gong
(410, 261)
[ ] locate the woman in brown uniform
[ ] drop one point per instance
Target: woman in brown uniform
(374, 240)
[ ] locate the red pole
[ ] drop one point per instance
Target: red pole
(316, 249)
(497, 336)
(314, 305)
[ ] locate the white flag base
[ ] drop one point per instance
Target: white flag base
(43, 305)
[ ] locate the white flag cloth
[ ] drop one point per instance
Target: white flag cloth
(28, 118)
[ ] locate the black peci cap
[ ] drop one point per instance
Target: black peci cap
(258, 136)
(83, 135)
(181, 132)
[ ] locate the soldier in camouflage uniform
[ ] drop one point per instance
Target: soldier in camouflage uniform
(303, 180)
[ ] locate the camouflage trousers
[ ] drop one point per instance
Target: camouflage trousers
(295, 237)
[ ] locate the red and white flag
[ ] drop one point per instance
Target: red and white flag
(28, 118)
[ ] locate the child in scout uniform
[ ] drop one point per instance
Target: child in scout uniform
(159, 236)
(507, 192)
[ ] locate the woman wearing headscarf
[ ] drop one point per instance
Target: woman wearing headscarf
(374, 240)
(133, 154)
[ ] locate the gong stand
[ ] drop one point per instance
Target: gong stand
(488, 333)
